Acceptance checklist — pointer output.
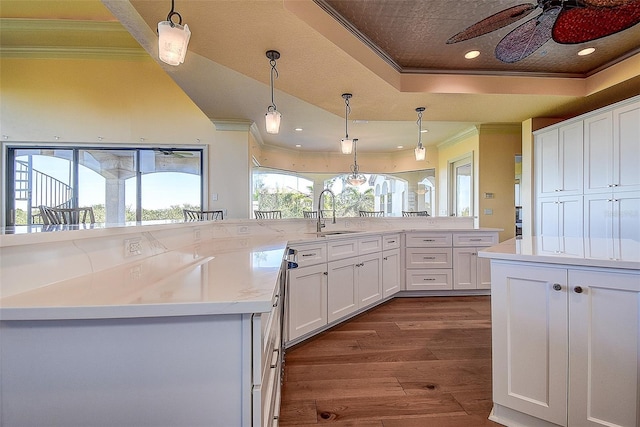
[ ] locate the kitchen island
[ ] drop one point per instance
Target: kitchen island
(165, 324)
(566, 336)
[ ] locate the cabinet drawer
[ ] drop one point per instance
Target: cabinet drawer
(475, 239)
(369, 245)
(311, 254)
(426, 240)
(340, 249)
(391, 241)
(429, 279)
(429, 258)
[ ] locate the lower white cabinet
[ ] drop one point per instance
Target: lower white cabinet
(559, 224)
(390, 272)
(470, 272)
(353, 283)
(565, 345)
(307, 300)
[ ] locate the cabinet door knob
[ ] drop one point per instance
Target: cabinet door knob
(325, 273)
(557, 287)
(578, 289)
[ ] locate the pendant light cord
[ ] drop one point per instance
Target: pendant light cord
(347, 110)
(172, 13)
(274, 72)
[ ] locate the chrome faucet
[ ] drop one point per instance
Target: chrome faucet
(321, 224)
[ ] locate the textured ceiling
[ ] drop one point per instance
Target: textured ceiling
(226, 72)
(412, 35)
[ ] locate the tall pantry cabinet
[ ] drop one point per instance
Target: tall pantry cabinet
(588, 183)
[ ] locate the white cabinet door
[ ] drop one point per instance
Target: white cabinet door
(612, 151)
(559, 160)
(429, 279)
(342, 293)
(611, 225)
(560, 224)
(390, 272)
(470, 271)
(307, 300)
(604, 325)
(369, 279)
(464, 268)
(530, 339)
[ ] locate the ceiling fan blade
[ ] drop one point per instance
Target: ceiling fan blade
(528, 37)
(579, 25)
(494, 22)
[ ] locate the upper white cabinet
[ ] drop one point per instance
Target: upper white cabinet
(559, 160)
(612, 150)
(559, 224)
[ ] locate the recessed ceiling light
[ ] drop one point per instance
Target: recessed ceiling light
(587, 51)
(400, 146)
(298, 129)
(424, 131)
(472, 54)
(298, 145)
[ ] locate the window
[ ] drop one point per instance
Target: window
(121, 184)
(295, 192)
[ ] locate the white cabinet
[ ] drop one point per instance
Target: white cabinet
(428, 261)
(307, 300)
(559, 222)
(565, 345)
(354, 283)
(307, 290)
(390, 272)
(612, 150)
(612, 225)
(559, 160)
(470, 272)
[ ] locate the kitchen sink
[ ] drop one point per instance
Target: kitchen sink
(335, 233)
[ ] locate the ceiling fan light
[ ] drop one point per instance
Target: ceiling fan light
(421, 153)
(272, 119)
(472, 54)
(346, 146)
(172, 42)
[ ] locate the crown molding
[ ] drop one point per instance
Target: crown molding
(45, 52)
(232, 125)
(472, 131)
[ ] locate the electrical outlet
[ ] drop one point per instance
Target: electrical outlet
(347, 224)
(197, 235)
(132, 247)
(135, 273)
(243, 229)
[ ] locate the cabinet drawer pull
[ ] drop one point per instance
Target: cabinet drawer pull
(428, 278)
(429, 257)
(557, 287)
(428, 240)
(475, 240)
(313, 254)
(277, 299)
(325, 273)
(276, 352)
(578, 289)
(385, 258)
(391, 241)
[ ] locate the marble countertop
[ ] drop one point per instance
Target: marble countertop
(531, 249)
(219, 277)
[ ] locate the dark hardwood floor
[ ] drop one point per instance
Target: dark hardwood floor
(409, 362)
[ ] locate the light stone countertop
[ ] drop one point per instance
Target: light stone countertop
(531, 249)
(229, 275)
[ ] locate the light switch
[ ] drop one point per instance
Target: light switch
(214, 197)
(488, 211)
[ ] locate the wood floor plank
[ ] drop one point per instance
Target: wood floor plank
(406, 363)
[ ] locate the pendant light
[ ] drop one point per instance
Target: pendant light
(173, 39)
(355, 178)
(346, 144)
(273, 116)
(420, 151)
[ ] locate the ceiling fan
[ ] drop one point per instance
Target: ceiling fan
(174, 153)
(564, 21)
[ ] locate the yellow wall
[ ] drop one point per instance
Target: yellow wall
(499, 144)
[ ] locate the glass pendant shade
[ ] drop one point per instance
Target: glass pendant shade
(172, 42)
(421, 153)
(356, 179)
(346, 146)
(272, 119)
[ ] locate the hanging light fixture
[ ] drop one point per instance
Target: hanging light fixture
(173, 39)
(273, 115)
(420, 151)
(346, 144)
(355, 178)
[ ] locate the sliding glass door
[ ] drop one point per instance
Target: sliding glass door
(120, 184)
